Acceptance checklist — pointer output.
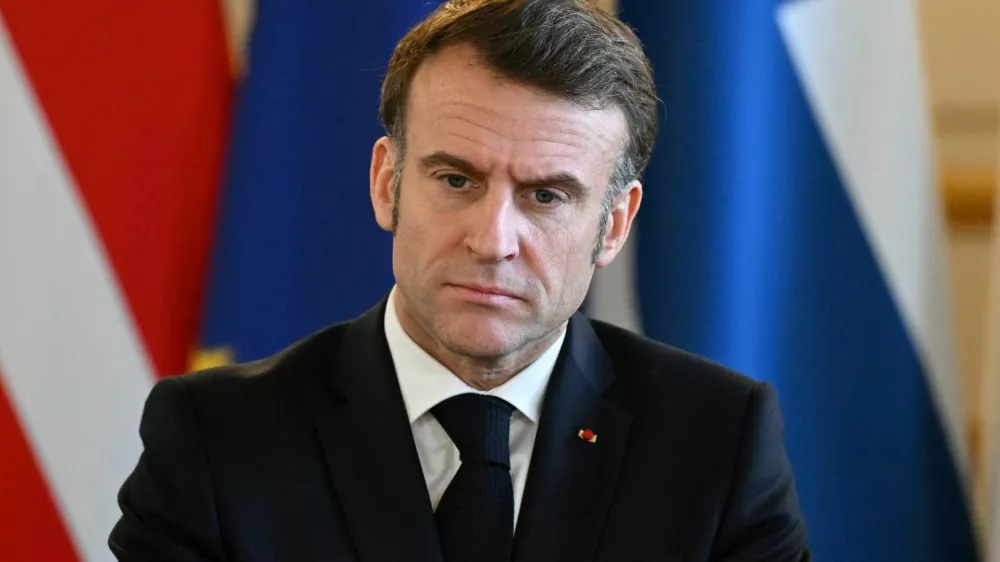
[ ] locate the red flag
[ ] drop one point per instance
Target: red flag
(113, 116)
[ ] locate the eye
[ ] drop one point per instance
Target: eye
(546, 197)
(455, 181)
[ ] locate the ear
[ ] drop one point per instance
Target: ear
(623, 211)
(381, 176)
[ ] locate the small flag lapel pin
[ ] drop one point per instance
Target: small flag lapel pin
(588, 435)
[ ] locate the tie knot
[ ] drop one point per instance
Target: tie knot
(479, 425)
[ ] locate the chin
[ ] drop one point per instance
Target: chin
(478, 335)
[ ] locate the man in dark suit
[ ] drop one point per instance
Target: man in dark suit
(474, 414)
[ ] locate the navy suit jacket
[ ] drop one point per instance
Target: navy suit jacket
(309, 455)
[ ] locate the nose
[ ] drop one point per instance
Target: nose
(493, 228)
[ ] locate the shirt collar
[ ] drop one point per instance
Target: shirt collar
(425, 382)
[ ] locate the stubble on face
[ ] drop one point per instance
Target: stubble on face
(522, 224)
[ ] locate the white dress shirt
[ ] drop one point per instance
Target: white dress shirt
(425, 383)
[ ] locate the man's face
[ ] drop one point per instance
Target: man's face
(500, 201)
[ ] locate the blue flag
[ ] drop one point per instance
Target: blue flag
(790, 229)
(298, 247)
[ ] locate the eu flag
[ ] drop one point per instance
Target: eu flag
(297, 246)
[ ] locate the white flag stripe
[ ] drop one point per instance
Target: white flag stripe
(74, 366)
(859, 62)
(614, 295)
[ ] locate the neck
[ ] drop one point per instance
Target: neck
(481, 373)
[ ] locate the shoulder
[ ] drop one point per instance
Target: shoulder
(650, 372)
(720, 425)
(298, 371)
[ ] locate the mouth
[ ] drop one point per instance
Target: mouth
(490, 294)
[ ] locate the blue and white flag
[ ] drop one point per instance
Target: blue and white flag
(791, 229)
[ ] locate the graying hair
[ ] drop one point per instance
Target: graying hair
(569, 48)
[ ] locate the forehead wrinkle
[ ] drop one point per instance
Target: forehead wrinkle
(547, 157)
(546, 164)
(571, 151)
(447, 103)
(511, 140)
(594, 123)
(468, 121)
(577, 142)
(575, 137)
(565, 131)
(473, 140)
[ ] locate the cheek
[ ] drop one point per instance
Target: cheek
(408, 238)
(563, 260)
(425, 241)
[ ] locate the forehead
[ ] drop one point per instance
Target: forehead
(457, 103)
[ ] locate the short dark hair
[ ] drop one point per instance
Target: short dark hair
(569, 48)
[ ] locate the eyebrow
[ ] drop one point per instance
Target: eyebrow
(439, 158)
(562, 180)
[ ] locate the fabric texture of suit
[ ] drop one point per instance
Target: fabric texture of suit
(309, 455)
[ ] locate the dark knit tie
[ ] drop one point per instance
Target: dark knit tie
(475, 518)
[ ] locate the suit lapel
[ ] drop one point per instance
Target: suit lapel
(370, 452)
(571, 481)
